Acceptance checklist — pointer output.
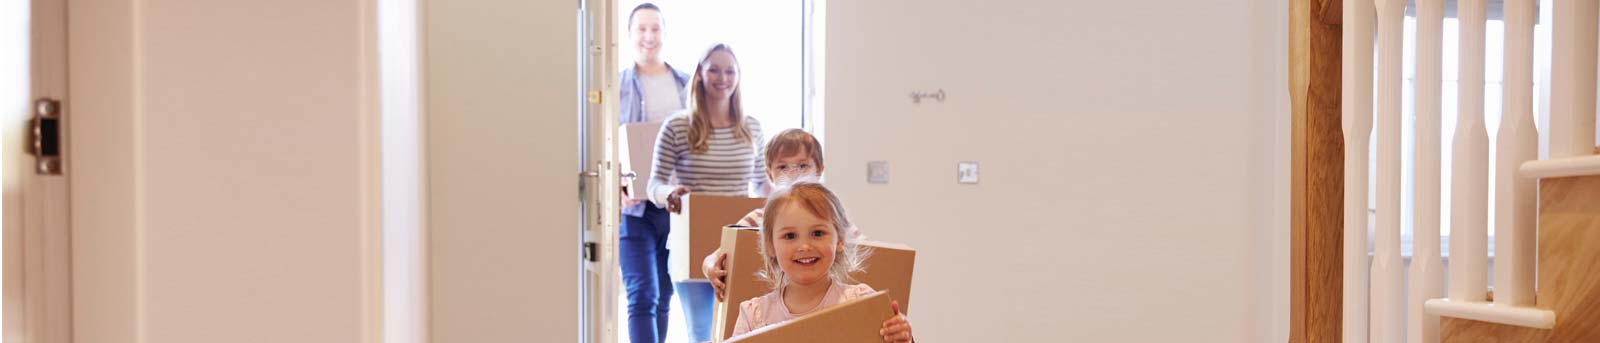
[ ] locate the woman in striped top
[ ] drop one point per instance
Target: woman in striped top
(710, 148)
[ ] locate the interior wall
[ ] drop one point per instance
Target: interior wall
(226, 171)
(1133, 163)
(501, 144)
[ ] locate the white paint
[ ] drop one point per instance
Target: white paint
(46, 253)
(1469, 204)
(1525, 316)
(1127, 151)
(501, 124)
(1562, 167)
(229, 174)
(1517, 142)
(1356, 106)
(1388, 283)
(107, 261)
(1426, 278)
(1572, 84)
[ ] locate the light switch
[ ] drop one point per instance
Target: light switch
(878, 172)
(967, 173)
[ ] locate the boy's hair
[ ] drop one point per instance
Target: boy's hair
(792, 141)
(821, 202)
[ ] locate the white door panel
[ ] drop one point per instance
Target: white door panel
(223, 171)
(502, 140)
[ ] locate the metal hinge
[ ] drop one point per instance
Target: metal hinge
(44, 135)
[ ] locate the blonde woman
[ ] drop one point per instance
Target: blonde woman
(710, 148)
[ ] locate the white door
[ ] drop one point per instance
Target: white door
(38, 265)
(223, 171)
(504, 131)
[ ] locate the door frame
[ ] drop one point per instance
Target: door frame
(38, 227)
(599, 169)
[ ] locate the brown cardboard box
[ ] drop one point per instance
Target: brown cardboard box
(697, 230)
(856, 321)
(744, 260)
(637, 152)
(889, 269)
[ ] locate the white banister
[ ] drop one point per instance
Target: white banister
(1572, 79)
(1388, 283)
(1525, 316)
(1516, 142)
(1356, 112)
(1469, 182)
(1563, 167)
(1427, 271)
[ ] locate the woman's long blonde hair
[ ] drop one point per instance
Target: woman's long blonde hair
(699, 120)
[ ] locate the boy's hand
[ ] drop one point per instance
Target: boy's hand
(716, 269)
(896, 329)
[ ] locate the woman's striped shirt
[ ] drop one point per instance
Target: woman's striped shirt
(729, 166)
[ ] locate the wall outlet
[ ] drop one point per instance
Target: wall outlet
(967, 173)
(878, 172)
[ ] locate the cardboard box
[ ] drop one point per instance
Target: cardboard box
(636, 150)
(888, 269)
(744, 260)
(856, 321)
(697, 230)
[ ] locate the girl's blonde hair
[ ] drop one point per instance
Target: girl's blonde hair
(699, 119)
(821, 202)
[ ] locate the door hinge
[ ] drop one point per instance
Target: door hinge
(595, 97)
(44, 133)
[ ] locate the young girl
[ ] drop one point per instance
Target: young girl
(792, 156)
(710, 149)
(809, 263)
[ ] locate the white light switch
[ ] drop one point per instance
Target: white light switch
(967, 173)
(878, 172)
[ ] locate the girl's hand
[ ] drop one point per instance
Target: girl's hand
(896, 329)
(716, 269)
(675, 200)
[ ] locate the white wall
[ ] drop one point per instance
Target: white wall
(225, 174)
(1134, 163)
